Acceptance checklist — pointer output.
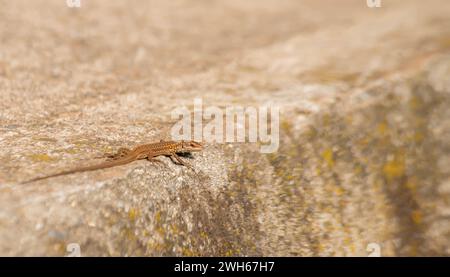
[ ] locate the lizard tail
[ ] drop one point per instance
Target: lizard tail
(85, 168)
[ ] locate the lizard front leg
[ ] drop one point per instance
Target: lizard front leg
(177, 160)
(152, 158)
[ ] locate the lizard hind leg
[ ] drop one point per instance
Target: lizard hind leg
(156, 161)
(122, 152)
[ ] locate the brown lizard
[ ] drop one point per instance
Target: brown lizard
(146, 151)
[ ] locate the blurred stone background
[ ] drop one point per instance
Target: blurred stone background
(365, 127)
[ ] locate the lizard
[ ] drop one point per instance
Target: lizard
(146, 151)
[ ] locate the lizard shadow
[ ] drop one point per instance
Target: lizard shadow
(186, 155)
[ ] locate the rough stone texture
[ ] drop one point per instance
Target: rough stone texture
(365, 127)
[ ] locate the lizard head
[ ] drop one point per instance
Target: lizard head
(191, 146)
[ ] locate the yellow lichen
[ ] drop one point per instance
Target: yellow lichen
(161, 231)
(174, 228)
(203, 235)
(60, 247)
(382, 128)
(416, 216)
(229, 253)
(133, 214)
(327, 155)
(311, 133)
(320, 248)
(339, 191)
(72, 151)
(158, 217)
(286, 126)
(394, 168)
(348, 241)
(155, 246)
(41, 158)
(128, 233)
(187, 252)
(326, 119)
(289, 177)
(411, 184)
(419, 136)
